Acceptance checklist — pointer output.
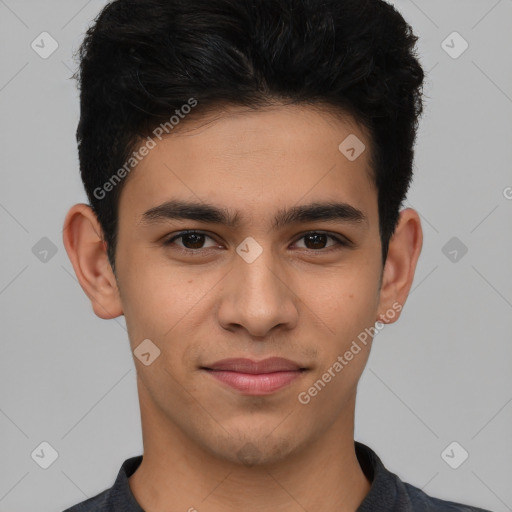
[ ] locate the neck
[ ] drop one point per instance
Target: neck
(177, 473)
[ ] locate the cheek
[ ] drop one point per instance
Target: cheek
(169, 307)
(153, 294)
(346, 300)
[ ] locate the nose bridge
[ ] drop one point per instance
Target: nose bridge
(257, 297)
(259, 277)
(259, 288)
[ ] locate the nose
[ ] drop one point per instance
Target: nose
(257, 298)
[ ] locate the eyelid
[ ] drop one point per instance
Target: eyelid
(172, 238)
(341, 241)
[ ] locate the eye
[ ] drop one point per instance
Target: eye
(191, 240)
(316, 240)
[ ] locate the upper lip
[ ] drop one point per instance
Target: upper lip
(242, 365)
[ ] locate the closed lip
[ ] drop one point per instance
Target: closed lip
(243, 365)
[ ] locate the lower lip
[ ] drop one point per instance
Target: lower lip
(255, 384)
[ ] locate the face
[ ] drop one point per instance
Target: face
(302, 288)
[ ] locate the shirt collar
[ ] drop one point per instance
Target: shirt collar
(385, 494)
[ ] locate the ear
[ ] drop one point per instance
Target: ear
(398, 274)
(84, 242)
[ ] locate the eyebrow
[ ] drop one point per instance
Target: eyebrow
(209, 213)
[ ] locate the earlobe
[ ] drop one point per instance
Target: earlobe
(83, 239)
(398, 274)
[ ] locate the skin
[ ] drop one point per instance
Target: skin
(206, 445)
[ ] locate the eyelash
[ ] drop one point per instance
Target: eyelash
(341, 243)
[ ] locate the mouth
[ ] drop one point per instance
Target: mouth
(255, 377)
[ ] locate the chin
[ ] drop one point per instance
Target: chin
(255, 450)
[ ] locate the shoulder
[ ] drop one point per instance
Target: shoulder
(117, 498)
(97, 503)
(422, 502)
(388, 493)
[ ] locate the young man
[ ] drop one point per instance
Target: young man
(245, 164)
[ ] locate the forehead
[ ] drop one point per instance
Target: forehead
(257, 161)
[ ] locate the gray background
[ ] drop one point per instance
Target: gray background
(441, 374)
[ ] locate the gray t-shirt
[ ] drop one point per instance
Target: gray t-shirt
(387, 494)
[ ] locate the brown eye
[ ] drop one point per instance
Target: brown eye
(317, 241)
(191, 240)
